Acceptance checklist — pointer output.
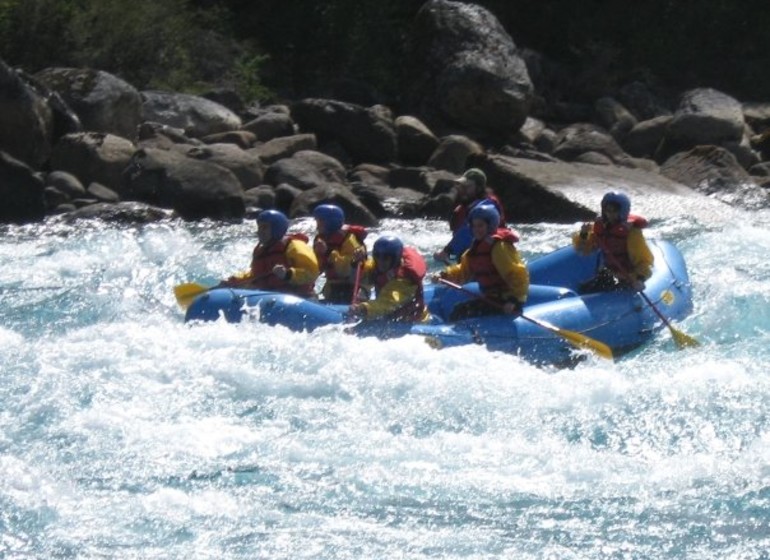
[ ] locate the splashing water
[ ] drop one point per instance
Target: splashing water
(128, 434)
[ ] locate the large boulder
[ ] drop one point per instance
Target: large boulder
(305, 170)
(271, 124)
(94, 157)
(643, 139)
(611, 115)
(416, 142)
(247, 167)
(366, 133)
(466, 69)
(197, 116)
(283, 147)
(103, 102)
(21, 192)
(704, 116)
(342, 196)
(452, 153)
(194, 189)
(714, 171)
(26, 119)
(575, 140)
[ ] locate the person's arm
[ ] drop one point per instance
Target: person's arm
(393, 295)
(583, 241)
(458, 273)
(511, 267)
(640, 255)
(303, 265)
(461, 240)
(342, 259)
(237, 280)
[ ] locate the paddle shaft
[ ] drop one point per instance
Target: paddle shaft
(493, 303)
(627, 276)
(472, 294)
(186, 293)
(574, 338)
(356, 283)
(680, 337)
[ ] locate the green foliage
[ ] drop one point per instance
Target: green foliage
(33, 32)
(246, 78)
(147, 42)
(164, 44)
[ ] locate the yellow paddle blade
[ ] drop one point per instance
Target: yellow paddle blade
(186, 293)
(683, 340)
(575, 338)
(582, 341)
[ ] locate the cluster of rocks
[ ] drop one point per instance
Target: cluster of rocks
(77, 142)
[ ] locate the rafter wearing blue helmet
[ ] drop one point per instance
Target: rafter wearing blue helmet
(281, 261)
(494, 262)
(334, 245)
(626, 260)
(396, 273)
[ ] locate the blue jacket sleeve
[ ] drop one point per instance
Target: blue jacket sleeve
(461, 240)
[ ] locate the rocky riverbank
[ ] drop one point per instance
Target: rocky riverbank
(82, 143)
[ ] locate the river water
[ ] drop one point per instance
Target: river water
(125, 433)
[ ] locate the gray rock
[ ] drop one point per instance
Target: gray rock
(102, 193)
(197, 116)
(26, 119)
(21, 192)
(244, 165)
(271, 125)
(367, 134)
(467, 69)
(342, 196)
(103, 102)
(284, 147)
(94, 158)
(453, 152)
(194, 189)
(65, 183)
(416, 142)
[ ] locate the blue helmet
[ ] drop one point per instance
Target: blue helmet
(621, 200)
(332, 216)
(278, 221)
(486, 212)
(388, 246)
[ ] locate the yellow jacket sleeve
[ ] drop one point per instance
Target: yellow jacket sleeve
(341, 260)
(511, 267)
(584, 246)
(302, 262)
(639, 253)
(459, 273)
(392, 295)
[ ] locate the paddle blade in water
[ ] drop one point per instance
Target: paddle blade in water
(683, 340)
(186, 293)
(575, 338)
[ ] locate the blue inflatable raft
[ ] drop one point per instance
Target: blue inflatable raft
(622, 320)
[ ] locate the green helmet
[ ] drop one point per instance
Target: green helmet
(477, 176)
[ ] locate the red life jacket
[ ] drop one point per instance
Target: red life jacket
(334, 242)
(264, 258)
(460, 213)
(480, 260)
(413, 268)
(613, 241)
